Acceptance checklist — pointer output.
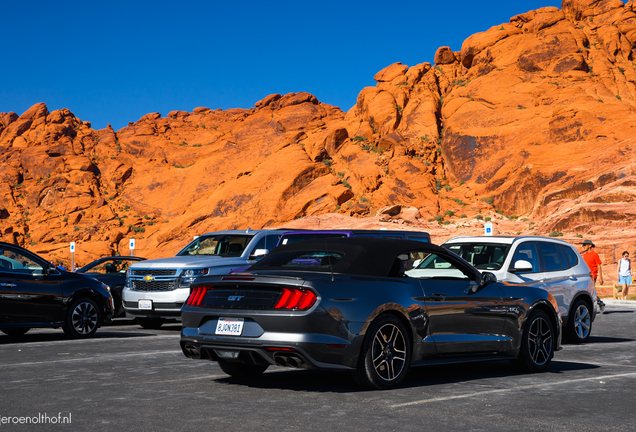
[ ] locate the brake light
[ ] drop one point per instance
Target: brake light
(197, 294)
(292, 298)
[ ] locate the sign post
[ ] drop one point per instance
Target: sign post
(488, 228)
(131, 246)
(72, 256)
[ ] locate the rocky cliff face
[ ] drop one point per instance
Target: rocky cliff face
(532, 122)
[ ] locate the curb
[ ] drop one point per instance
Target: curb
(631, 304)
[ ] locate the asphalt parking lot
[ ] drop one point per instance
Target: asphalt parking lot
(129, 378)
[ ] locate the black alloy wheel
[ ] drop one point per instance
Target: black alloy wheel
(15, 332)
(386, 353)
(82, 319)
(150, 323)
(537, 342)
(242, 370)
(579, 324)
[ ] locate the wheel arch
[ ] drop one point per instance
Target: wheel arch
(90, 294)
(545, 307)
(397, 312)
(587, 298)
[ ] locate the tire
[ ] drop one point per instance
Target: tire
(15, 332)
(385, 356)
(82, 319)
(579, 325)
(537, 343)
(150, 323)
(242, 370)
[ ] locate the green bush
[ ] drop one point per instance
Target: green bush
(556, 234)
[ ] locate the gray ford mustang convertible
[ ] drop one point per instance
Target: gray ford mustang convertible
(371, 306)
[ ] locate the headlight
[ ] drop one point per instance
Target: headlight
(127, 284)
(188, 276)
(106, 287)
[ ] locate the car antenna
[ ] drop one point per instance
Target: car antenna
(329, 258)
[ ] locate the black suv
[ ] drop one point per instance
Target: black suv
(34, 293)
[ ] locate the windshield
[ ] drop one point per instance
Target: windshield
(484, 256)
(225, 245)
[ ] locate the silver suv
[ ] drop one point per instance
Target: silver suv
(156, 289)
(542, 262)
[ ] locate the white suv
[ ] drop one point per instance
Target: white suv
(540, 262)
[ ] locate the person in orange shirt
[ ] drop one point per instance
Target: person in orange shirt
(593, 261)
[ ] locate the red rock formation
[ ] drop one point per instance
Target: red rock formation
(530, 124)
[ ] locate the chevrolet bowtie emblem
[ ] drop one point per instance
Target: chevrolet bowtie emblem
(149, 278)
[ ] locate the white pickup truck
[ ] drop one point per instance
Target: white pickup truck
(156, 289)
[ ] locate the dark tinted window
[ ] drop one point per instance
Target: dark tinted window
(420, 239)
(300, 260)
(527, 252)
(268, 242)
(550, 255)
(570, 256)
(293, 238)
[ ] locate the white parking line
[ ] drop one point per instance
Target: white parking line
(27, 344)
(506, 390)
(92, 359)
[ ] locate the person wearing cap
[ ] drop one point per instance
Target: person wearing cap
(625, 274)
(592, 260)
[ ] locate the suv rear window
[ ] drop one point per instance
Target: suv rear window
(570, 256)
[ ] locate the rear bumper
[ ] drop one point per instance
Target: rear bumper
(282, 349)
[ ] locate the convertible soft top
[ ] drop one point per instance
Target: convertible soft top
(360, 255)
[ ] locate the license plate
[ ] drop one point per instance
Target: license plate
(229, 326)
(145, 305)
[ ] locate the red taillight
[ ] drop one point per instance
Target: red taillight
(284, 296)
(197, 294)
(279, 349)
(292, 298)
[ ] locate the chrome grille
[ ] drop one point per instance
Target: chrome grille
(153, 272)
(155, 285)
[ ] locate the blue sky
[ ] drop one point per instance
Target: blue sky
(113, 62)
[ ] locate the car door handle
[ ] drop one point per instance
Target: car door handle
(437, 297)
(8, 284)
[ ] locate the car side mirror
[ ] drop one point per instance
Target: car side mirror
(487, 278)
(259, 253)
(521, 266)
